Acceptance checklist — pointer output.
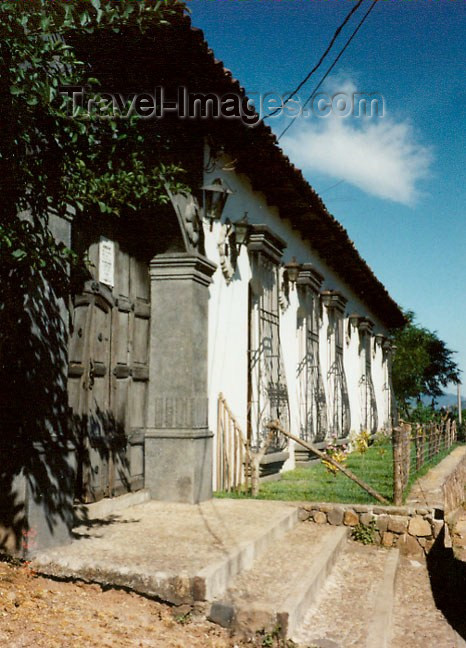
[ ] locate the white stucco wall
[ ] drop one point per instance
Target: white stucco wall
(228, 313)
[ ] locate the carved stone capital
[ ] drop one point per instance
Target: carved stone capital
(379, 339)
(354, 320)
(365, 326)
(262, 240)
(182, 267)
(309, 278)
(333, 300)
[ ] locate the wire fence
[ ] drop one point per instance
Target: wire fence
(416, 444)
(383, 465)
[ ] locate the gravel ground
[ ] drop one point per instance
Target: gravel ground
(417, 621)
(37, 611)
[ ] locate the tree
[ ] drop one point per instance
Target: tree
(51, 161)
(422, 366)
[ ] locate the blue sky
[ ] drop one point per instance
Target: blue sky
(397, 183)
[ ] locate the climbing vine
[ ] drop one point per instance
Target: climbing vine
(50, 161)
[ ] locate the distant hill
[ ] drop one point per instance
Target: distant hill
(447, 400)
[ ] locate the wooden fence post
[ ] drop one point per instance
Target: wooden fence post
(423, 427)
(397, 466)
(406, 444)
(418, 439)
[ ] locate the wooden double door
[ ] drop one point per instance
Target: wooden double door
(108, 372)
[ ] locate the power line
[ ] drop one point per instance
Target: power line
(320, 61)
(332, 66)
(332, 187)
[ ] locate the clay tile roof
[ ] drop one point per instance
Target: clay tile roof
(270, 171)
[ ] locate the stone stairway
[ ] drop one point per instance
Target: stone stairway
(253, 566)
(355, 605)
(282, 583)
(317, 587)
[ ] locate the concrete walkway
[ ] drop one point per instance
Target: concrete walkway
(180, 553)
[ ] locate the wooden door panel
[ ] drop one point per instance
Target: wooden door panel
(108, 376)
(139, 280)
(137, 404)
(141, 340)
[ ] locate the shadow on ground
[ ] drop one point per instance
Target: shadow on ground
(448, 581)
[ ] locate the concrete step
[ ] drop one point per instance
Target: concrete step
(355, 605)
(180, 553)
(278, 589)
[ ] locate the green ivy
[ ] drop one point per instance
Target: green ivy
(49, 160)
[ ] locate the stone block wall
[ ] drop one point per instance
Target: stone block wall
(412, 530)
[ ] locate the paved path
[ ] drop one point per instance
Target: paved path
(178, 552)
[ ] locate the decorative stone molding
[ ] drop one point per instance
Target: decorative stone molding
(182, 267)
(187, 211)
(388, 347)
(310, 278)
(334, 300)
(354, 319)
(365, 325)
(227, 253)
(180, 412)
(353, 323)
(379, 339)
(283, 290)
(263, 241)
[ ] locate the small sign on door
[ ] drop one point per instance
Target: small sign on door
(107, 261)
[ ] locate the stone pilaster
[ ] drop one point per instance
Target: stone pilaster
(178, 443)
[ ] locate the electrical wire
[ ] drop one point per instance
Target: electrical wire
(362, 21)
(320, 61)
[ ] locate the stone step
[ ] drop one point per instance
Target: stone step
(180, 553)
(278, 589)
(355, 605)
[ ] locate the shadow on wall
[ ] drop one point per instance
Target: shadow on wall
(35, 442)
(44, 450)
(448, 581)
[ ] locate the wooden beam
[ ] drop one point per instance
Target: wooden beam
(275, 425)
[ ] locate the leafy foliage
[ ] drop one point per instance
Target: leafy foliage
(336, 452)
(49, 160)
(365, 533)
(422, 366)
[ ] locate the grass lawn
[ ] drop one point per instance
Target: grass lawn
(316, 484)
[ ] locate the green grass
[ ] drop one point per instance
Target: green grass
(316, 484)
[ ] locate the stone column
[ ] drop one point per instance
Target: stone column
(178, 443)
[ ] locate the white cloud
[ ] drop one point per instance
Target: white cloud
(378, 155)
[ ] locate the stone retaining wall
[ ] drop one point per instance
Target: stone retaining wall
(412, 530)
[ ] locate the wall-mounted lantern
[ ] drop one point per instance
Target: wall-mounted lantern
(241, 229)
(292, 271)
(215, 197)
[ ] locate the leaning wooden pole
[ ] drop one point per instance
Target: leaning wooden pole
(275, 425)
